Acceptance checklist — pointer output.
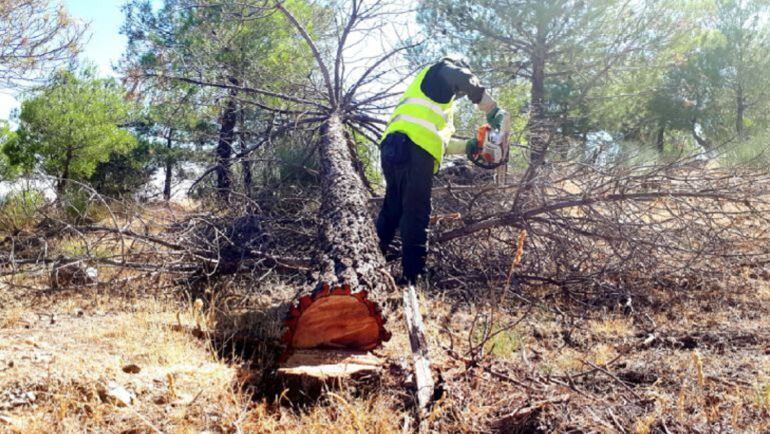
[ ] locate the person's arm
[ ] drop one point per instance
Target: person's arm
(463, 82)
(457, 147)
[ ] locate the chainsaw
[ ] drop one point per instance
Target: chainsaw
(491, 149)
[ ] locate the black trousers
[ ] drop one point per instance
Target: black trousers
(408, 171)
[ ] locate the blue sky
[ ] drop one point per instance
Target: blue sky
(105, 18)
(104, 47)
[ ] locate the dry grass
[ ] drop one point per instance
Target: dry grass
(184, 386)
(707, 367)
(67, 360)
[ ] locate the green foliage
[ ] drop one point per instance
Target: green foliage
(71, 125)
(713, 86)
(368, 154)
(297, 164)
(503, 343)
(7, 139)
(752, 152)
(214, 43)
(19, 209)
(563, 48)
(177, 39)
(665, 76)
(124, 174)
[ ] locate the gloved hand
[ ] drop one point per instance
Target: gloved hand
(495, 118)
(471, 148)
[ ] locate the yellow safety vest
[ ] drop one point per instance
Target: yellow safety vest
(428, 123)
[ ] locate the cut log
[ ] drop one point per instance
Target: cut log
(340, 306)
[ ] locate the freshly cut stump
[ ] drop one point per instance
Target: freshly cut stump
(308, 373)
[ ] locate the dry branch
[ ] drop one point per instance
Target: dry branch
(419, 345)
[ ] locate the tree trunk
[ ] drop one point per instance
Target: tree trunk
(659, 141)
(538, 133)
(169, 167)
(61, 185)
(537, 127)
(702, 142)
(248, 177)
(740, 111)
(351, 251)
(307, 374)
(336, 310)
(225, 146)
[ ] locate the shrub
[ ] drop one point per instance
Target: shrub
(754, 152)
(80, 205)
(19, 210)
(124, 174)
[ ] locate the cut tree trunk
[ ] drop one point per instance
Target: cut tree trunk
(340, 308)
(350, 251)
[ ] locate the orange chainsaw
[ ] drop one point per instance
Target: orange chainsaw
(491, 148)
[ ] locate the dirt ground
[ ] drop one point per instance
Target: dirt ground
(59, 363)
(152, 358)
(693, 363)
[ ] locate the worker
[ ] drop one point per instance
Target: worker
(418, 135)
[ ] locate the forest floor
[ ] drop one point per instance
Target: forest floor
(101, 360)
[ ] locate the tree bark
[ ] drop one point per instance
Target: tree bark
(340, 308)
(248, 177)
(169, 167)
(61, 185)
(224, 149)
(740, 111)
(351, 253)
(659, 141)
(537, 118)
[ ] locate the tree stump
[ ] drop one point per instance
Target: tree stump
(308, 373)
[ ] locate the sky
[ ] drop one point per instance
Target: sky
(104, 46)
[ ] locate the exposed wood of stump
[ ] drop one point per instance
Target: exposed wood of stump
(313, 371)
(339, 309)
(331, 364)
